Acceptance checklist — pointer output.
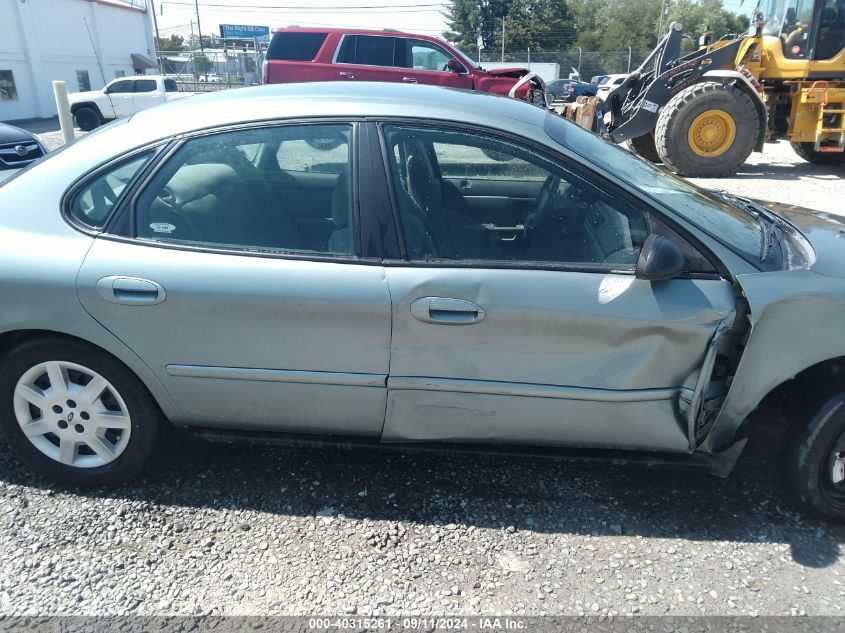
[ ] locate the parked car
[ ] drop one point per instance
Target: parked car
(343, 261)
(612, 81)
(577, 89)
(18, 148)
(557, 89)
(120, 98)
(307, 54)
(596, 80)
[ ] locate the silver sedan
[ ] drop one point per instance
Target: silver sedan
(406, 265)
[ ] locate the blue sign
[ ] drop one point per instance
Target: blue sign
(242, 31)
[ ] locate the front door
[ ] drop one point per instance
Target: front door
(120, 96)
(251, 313)
(516, 313)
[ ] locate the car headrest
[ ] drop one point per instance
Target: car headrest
(341, 202)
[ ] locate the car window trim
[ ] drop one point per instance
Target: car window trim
(129, 208)
(90, 176)
(345, 35)
(570, 163)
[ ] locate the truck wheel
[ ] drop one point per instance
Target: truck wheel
(87, 119)
(808, 153)
(644, 147)
(707, 130)
(815, 461)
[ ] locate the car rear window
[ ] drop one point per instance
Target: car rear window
(295, 47)
(170, 86)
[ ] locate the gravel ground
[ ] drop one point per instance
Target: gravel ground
(216, 529)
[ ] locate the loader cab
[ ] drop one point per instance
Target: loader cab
(807, 29)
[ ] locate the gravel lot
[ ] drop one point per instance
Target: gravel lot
(217, 529)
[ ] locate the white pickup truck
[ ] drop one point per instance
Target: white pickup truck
(122, 97)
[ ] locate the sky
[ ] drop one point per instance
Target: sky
(421, 16)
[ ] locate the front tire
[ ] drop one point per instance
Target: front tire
(815, 462)
(87, 119)
(75, 414)
(808, 152)
(707, 130)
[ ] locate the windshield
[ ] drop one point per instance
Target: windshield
(733, 226)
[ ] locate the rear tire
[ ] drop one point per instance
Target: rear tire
(815, 461)
(707, 130)
(644, 146)
(87, 119)
(94, 436)
(807, 152)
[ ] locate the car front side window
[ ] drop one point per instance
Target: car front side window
(425, 56)
(468, 196)
(249, 190)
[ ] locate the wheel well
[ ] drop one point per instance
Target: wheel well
(9, 340)
(86, 104)
(800, 395)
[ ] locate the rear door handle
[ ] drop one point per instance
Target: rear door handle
(446, 311)
(130, 290)
(347, 75)
(410, 80)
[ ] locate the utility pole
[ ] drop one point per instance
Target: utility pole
(158, 39)
(503, 38)
(629, 59)
(660, 32)
(199, 28)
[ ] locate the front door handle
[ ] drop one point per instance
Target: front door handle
(130, 290)
(446, 311)
(347, 75)
(410, 80)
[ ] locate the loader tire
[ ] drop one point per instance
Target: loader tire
(808, 153)
(645, 147)
(707, 130)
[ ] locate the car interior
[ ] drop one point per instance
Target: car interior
(271, 189)
(463, 196)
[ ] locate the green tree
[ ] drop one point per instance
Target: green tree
(202, 64)
(474, 21)
(700, 16)
(172, 43)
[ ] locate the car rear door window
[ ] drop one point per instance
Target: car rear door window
(276, 189)
(144, 85)
(295, 47)
(93, 203)
(369, 50)
(467, 196)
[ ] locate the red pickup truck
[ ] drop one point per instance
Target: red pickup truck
(309, 54)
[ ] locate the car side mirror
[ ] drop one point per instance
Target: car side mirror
(660, 259)
(455, 66)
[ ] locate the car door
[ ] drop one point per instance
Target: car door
(120, 95)
(371, 58)
(541, 334)
(145, 94)
(428, 63)
(209, 277)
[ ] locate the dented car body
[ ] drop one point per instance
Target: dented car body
(478, 272)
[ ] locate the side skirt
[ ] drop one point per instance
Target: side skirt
(717, 464)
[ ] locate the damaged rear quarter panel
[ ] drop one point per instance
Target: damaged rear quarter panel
(797, 320)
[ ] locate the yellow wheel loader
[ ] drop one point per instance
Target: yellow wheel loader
(702, 114)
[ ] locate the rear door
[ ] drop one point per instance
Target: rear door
(145, 94)
(371, 58)
(247, 321)
(542, 336)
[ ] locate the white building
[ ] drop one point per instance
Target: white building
(86, 43)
